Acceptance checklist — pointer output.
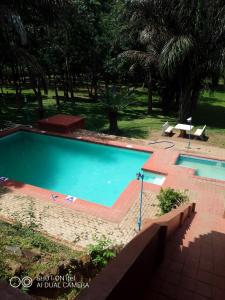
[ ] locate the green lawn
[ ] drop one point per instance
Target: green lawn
(45, 253)
(133, 122)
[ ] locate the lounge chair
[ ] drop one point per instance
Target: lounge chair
(200, 133)
(167, 129)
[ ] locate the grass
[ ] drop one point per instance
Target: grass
(49, 253)
(133, 121)
(39, 257)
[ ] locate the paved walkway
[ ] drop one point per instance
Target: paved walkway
(77, 228)
(80, 228)
(194, 264)
(180, 144)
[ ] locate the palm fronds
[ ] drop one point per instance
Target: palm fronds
(144, 59)
(174, 54)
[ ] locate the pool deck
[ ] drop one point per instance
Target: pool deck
(193, 267)
(162, 161)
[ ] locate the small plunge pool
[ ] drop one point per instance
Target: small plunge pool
(154, 178)
(209, 168)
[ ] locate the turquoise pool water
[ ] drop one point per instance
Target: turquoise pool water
(204, 167)
(154, 178)
(96, 173)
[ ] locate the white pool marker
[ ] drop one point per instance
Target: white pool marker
(3, 179)
(70, 198)
(54, 197)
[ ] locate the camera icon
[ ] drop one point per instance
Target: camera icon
(16, 282)
(27, 282)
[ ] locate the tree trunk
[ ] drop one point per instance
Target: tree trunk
(40, 103)
(37, 91)
(185, 105)
(94, 86)
(194, 99)
(71, 89)
(65, 88)
(113, 122)
(17, 84)
(56, 92)
(215, 81)
(149, 93)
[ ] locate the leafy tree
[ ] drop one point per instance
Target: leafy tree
(114, 100)
(183, 39)
(170, 199)
(102, 252)
(17, 20)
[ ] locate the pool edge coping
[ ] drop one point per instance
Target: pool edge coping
(193, 170)
(122, 204)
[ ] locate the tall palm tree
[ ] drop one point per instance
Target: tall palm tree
(185, 40)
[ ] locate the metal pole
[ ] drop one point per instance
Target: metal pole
(189, 144)
(140, 176)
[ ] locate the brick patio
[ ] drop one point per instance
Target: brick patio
(78, 222)
(194, 264)
(77, 228)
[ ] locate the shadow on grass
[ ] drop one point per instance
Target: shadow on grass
(77, 99)
(210, 115)
(210, 111)
(95, 118)
(130, 133)
(137, 113)
(133, 132)
(211, 100)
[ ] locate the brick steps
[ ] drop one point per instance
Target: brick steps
(194, 264)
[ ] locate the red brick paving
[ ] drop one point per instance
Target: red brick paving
(162, 161)
(194, 264)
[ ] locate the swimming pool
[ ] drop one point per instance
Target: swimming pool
(154, 178)
(93, 172)
(203, 167)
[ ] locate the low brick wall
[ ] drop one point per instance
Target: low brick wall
(126, 275)
(173, 219)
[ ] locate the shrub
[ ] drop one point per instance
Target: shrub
(101, 252)
(169, 199)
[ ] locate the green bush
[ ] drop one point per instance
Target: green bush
(101, 252)
(169, 199)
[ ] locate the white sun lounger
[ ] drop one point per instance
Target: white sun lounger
(200, 133)
(167, 129)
